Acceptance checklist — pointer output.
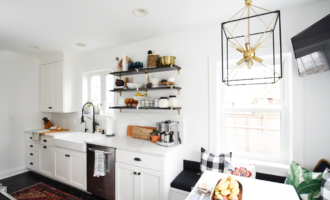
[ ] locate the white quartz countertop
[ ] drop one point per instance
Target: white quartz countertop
(132, 144)
(121, 142)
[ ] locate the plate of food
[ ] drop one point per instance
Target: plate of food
(227, 189)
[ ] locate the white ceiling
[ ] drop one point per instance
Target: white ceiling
(57, 25)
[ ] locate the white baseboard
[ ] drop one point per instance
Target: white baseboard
(13, 172)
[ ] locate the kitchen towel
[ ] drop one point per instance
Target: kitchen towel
(36, 134)
(99, 163)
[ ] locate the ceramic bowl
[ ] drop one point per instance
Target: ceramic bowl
(134, 85)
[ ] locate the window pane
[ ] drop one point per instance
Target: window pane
(257, 133)
(253, 96)
(311, 64)
(96, 90)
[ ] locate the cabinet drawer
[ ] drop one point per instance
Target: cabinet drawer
(46, 141)
(31, 163)
(140, 160)
(32, 154)
(28, 137)
(32, 146)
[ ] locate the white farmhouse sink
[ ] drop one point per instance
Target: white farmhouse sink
(75, 140)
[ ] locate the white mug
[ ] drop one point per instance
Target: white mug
(154, 82)
(171, 80)
(121, 102)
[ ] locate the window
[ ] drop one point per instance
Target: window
(312, 63)
(253, 121)
(96, 87)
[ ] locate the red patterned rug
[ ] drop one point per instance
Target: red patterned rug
(42, 191)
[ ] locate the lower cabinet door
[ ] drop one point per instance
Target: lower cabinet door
(46, 160)
(61, 166)
(151, 184)
(126, 182)
(77, 169)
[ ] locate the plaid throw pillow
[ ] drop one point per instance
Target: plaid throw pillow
(325, 185)
(211, 162)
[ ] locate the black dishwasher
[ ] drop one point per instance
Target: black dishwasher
(103, 186)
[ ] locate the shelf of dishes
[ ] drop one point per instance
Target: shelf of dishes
(140, 101)
(145, 108)
(147, 70)
(146, 89)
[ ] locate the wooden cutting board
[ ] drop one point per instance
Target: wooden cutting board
(130, 128)
(54, 131)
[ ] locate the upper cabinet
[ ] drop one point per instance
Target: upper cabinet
(59, 83)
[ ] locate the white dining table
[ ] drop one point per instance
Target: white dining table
(253, 189)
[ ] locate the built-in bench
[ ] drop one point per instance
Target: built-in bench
(187, 179)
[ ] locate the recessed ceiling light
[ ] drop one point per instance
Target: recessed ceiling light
(81, 45)
(140, 12)
(33, 47)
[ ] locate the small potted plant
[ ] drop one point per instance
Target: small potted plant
(88, 109)
(155, 135)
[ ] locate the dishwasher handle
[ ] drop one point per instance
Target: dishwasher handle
(93, 149)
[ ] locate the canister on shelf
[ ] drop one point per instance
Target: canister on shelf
(153, 60)
(163, 102)
(173, 101)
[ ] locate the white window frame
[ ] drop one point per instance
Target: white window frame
(104, 90)
(283, 129)
(217, 115)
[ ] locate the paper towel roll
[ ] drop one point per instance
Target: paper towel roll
(110, 127)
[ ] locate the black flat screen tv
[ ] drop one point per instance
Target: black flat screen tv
(312, 48)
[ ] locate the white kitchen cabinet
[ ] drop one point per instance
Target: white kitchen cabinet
(58, 84)
(77, 169)
(46, 87)
(138, 183)
(150, 184)
(126, 182)
(46, 160)
(61, 167)
(70, 167)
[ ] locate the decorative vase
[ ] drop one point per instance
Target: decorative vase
(155, 138)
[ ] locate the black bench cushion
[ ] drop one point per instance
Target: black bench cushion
(321, 166)
(191, 174)
(186, 180)
(191, 165)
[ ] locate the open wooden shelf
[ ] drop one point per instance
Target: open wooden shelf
(147, 89)
(144, 108)
(147, 70)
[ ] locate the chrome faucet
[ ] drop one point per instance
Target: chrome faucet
(83, 120)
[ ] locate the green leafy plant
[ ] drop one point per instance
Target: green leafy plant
(155, 132)
(303, 181)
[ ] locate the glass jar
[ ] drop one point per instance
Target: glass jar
(142, 103)
(163, 102)
(151, 102)
(147, 103)
(173, 101)
(156, 103)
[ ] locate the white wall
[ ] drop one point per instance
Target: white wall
(316, 96)
(19, 98)
(192, 49)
